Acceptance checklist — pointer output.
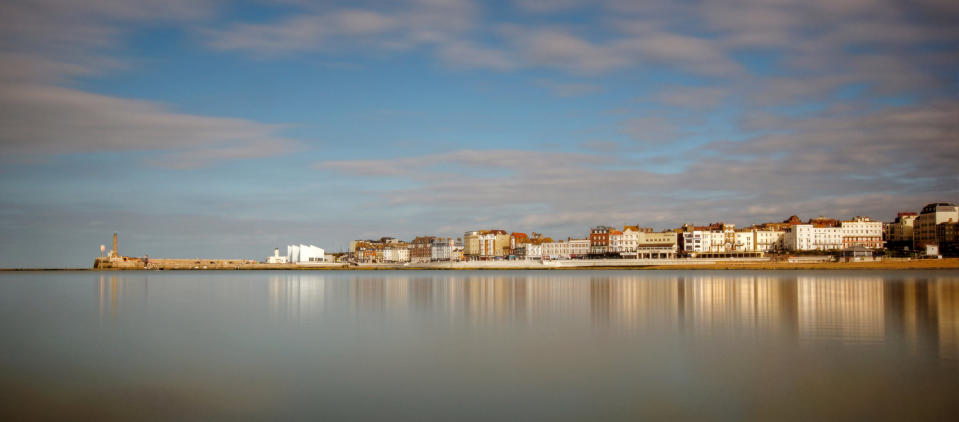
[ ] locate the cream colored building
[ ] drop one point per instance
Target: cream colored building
(656, 245)
(862, 231)
(396, 253)
(899, 233)
(484, 244)
(924, 230)
(565, 250)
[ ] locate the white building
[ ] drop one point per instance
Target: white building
(565, 250)
(705, 241)
(276, 258)
(743, 241)
(530, 251)
(805, 237)
(578, 248)
(556, 250)
(396, 253)
(768, 240)
(304, 253)
(616, 244)
(441, 249)
(862, 231)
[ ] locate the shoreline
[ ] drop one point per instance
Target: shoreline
(924, 264)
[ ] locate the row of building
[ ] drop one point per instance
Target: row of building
(936, 225)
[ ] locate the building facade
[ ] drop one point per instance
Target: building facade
(599, 240)
(925, 227)
(298, 254)
(486, 244)
(421, 249)
(806, 237)
(898, 234)
(862, 231)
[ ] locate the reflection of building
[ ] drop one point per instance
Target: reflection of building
(737, 303)
(947, 314)
(850, 310)
(296, 296)
(817, 308)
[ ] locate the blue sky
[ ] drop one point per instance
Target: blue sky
(224, 129)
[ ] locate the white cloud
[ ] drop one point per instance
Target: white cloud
(48, 43)
(836, 165)
(43, 119)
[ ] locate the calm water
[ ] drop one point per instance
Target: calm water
(498, 345)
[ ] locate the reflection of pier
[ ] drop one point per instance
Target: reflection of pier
(116, 291)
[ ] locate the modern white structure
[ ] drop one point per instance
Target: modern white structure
(304, 253)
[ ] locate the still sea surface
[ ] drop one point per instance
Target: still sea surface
(479, 345)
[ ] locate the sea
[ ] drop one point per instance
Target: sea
(592, 345)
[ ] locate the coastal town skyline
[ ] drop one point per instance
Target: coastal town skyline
(930, 233)
(199, 128)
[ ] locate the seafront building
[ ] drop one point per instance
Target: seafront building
(422, 249)
(572, 248)
(808, 237)
(925, 231)
(862, 231)
(933, 231)
(599, 240)
(276, 258)
(937, 224)
(898, 234)
(304, 253)
(486, 244)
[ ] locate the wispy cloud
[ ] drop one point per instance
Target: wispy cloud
(48, 43)
(826, 164)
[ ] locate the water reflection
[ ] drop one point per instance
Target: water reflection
(113, 291)
(921, 314)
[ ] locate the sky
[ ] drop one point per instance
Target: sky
(205, 128)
